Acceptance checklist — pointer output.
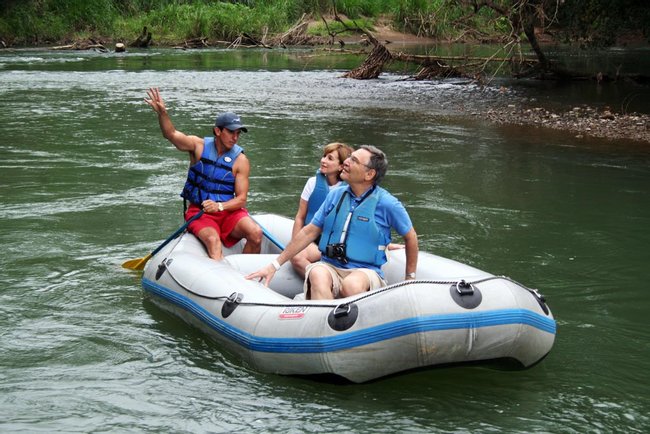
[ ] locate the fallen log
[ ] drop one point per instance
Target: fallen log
(82, 45)
(373, 65)
(193, 43)
(438, 70)
(297, 35)
(422, 59)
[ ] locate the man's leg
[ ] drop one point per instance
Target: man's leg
(360, 280)
(320, 283)
(355, 283)
(210, 239)
(247, 228)
(308, 256)
(205, 229)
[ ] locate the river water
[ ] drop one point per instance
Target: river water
(87, 182)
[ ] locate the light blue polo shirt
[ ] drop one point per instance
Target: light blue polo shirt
(389, 213)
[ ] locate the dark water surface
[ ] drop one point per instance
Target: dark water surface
(87, 182)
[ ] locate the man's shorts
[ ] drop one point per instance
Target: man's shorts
(338, 274)
(223, 222)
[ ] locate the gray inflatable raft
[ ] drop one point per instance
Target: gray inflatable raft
(451, 314)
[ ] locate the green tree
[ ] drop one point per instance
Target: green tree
(601, 22)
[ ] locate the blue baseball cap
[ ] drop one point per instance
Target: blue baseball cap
(230, 121)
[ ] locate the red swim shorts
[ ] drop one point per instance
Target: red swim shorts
(224, 222)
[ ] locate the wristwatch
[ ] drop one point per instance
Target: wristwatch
(410, 276)
(220, 206)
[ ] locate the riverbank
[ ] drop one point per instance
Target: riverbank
(582, 121)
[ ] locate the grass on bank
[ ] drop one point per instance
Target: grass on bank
(41, 22)
(35, 22)
(222, 21)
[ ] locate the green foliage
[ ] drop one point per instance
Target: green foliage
(316, 7)
(502, 25)
(40, 21)
(128, 8)
(596, 22)
(363, 8)
(340, 29)
(216, 20)
(421, 17)
(278, 15)
(288, 10)
(178, 21)
(599, 22)
(36, 21)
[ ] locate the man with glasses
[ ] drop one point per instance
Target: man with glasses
(217, 181)
(355, 224)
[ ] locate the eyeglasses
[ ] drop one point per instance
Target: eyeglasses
(355, 160)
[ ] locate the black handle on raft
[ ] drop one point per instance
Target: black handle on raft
(464, 288)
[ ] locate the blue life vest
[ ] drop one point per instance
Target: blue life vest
(211, 177)
(317, 196)
(365, 242)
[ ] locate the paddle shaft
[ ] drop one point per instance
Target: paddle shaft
(178, 232)
(138, 264)
(266, 233)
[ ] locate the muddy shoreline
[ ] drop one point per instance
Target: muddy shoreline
(581, 121)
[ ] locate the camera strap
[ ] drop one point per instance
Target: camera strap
(353, 205)
(344, 232)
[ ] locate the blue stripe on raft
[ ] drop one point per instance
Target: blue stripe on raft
(358, 338)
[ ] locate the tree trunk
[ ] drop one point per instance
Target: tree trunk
(373, 65)
(529, 31)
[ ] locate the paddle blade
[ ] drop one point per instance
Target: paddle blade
(137, 264)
